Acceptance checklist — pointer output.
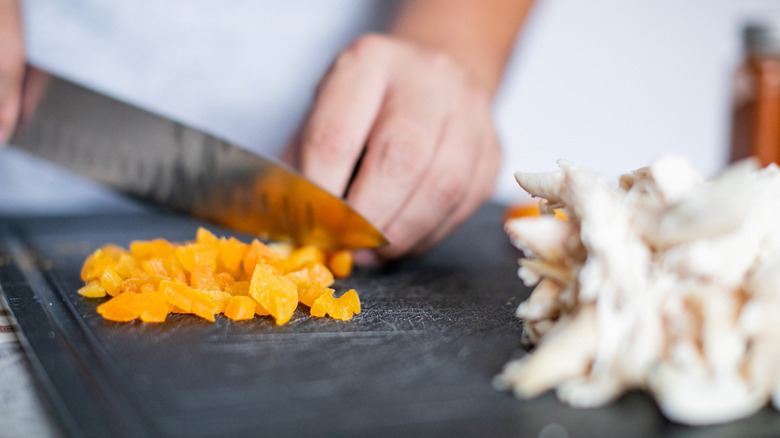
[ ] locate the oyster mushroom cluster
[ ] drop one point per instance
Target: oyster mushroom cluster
(668, 283)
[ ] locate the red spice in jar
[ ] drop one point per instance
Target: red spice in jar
(756, 117)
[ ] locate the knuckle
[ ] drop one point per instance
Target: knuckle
(329, 140)
(448, 188)
(402, 156)
(369, 42)
(439, 62)
(361, 50)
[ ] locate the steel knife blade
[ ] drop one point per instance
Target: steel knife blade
(167, 163)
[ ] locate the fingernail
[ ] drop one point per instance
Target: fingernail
(366, 257)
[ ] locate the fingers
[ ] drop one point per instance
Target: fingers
(11, 67)
(346, 105)
(479, 190)
(408, 134)
(453, 186)
(400, 150)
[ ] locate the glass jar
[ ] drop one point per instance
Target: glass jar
(756, 117)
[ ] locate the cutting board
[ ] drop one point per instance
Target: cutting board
(418, 360)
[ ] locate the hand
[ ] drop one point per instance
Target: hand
(11, 67)
(406, 135)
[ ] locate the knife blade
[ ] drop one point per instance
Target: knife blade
(156, 159)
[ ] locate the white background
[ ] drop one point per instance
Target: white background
(607, 84)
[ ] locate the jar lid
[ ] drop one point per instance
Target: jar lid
(762, 36)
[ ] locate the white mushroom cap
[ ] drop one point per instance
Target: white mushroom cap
(668, 282)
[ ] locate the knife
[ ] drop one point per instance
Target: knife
(167, 163)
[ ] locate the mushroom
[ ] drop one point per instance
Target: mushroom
(667, 282)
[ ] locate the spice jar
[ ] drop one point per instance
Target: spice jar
(756, 117)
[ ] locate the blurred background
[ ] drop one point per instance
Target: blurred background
(606, 84)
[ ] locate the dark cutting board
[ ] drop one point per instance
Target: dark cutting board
(417, 361)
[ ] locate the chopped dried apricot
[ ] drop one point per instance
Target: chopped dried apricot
(277, 294)
(240, 308)
(260, 254)
(316, 272)
(197, 254)
(120, 308)
(304, 256)
(203, 309)
(206, 237)
(345, 306)
(93, 289)
(340, 263)
(127, 267)
(152, 306)
(154, 266)
(224, 280)
(282, 249)
(132, 285)
(322, 304)
(111, 281)
(239, 288)
(113, 251)
(216, 298)
(529, 210)
(310, 291)
(341, 308)
(144, 249)
(176, 294)
(231, 252)
(202, 277)
(95, 264)
(216, 275)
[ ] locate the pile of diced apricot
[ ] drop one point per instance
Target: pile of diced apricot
(216, 275)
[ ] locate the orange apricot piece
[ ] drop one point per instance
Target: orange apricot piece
(176, 294)
(239, 288)
(152, 307)
(127, 267)
(120, 308)
(202, 277)
(111, 280)
(154, 266)
(304, 256)
(132, 285)
(224, 280)
(113, 251)
(340, 263)
(261, 311)
(206, 237)
(95, 264)
(204, 310)
(310, 291)
(231, 252)
(316, 272)
(144, 249)
(214, 298)
(345, 306)
(93, 289)
(174, 268)
(341, 308)
(322, 304)
(282, 249)
(195, 254)
(276, 294)
(240, 308)
(260, 254)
